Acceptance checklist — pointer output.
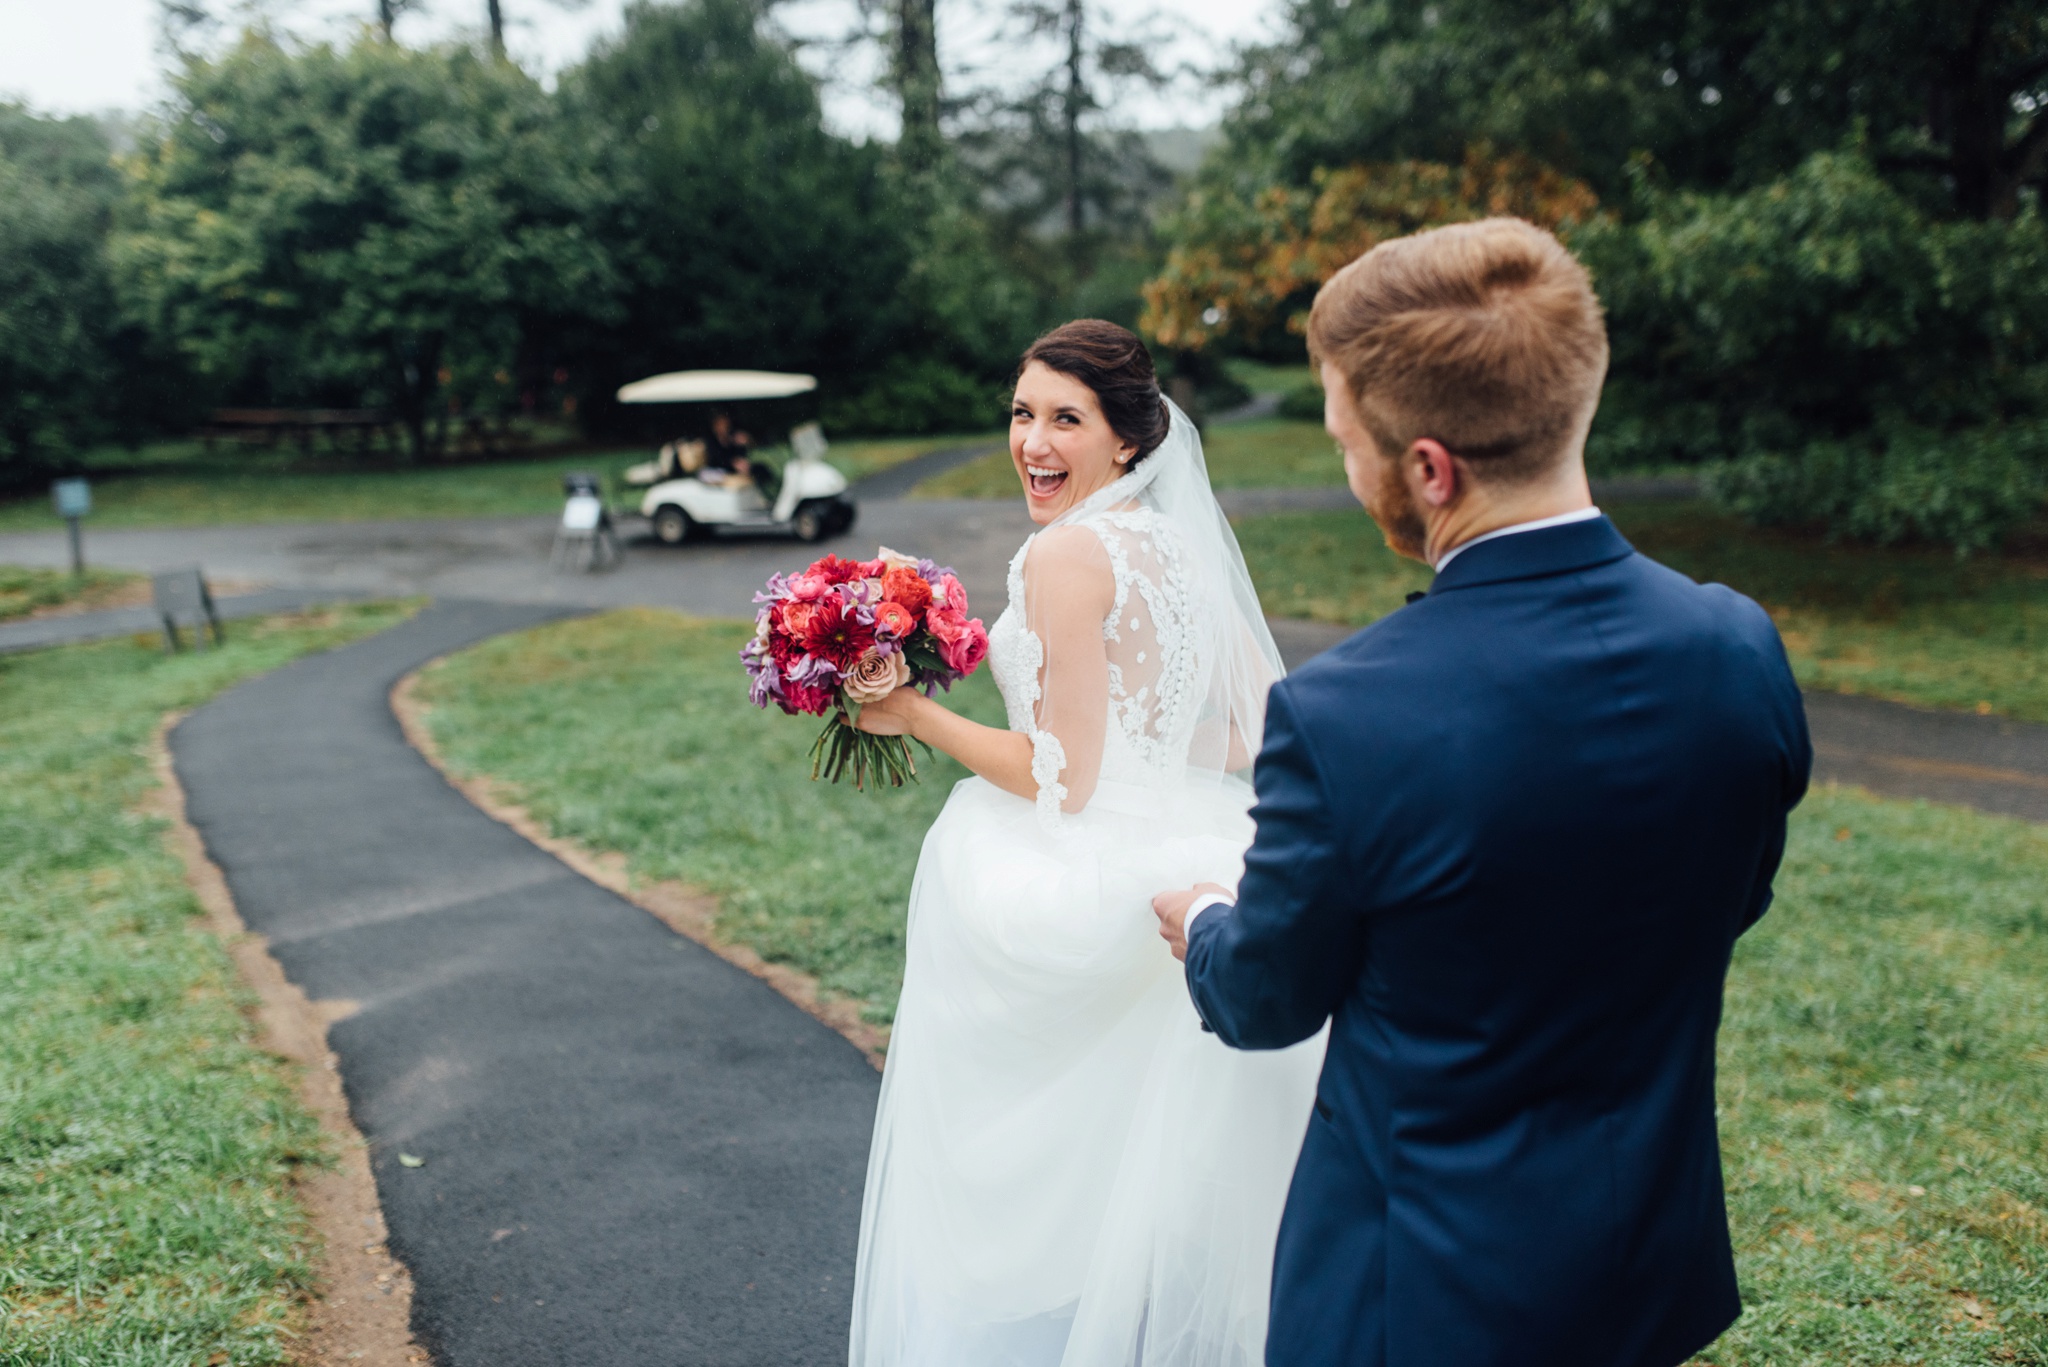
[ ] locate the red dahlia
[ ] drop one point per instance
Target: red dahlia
(833, 634)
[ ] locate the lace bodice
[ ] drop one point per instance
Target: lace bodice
(1149, 638)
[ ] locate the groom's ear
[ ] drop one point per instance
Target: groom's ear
(1433, 472)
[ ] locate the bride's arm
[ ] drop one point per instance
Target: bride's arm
(1068, 588)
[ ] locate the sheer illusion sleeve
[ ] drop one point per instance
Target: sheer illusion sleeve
(1068, 588)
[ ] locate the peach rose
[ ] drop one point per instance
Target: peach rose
(875, 676)
(895, 560)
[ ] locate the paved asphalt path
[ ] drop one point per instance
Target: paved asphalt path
(39, 632)
(506, 559)
(635, 1154)
(1990, 763)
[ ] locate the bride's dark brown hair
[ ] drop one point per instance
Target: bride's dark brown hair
(1113, 363)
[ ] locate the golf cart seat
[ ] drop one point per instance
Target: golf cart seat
(674, 461)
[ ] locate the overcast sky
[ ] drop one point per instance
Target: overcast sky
(84, 56)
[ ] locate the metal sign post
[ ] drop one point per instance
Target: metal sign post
(73, 498)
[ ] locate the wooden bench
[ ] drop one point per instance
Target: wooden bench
(269, 426)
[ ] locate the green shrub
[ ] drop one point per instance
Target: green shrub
(1844, 357)
(911, 397)
(1820, 306)
(1966, 489)
(1303, 403)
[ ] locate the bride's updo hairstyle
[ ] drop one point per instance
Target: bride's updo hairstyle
(1111, 361)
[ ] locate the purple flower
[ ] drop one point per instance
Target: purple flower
(764, 680)
(813, 669)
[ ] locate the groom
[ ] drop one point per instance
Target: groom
(1507, 838)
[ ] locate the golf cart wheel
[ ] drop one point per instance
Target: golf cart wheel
(673, 526)
(810, 523)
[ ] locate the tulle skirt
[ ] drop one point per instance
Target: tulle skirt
(1067, 1170)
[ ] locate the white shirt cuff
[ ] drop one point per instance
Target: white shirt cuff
(1202, 904)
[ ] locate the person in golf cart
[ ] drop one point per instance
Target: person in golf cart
(729, 448)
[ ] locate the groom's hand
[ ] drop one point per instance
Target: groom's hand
(1172, 910)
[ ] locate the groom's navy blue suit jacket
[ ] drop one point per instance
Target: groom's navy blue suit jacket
(1507, 838)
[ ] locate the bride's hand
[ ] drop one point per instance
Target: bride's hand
(894, 715)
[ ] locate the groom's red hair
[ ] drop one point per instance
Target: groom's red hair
(1484, 336)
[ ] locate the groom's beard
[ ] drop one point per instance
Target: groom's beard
(1400, 521)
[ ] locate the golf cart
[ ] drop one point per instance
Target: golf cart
(806, 498)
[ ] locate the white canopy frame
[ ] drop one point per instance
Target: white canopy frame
(716, 386)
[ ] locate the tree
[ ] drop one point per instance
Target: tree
(747, 233)
(915, 71)
(390, 11)
(1721, 94)
(1820, 246)
(494, 18)
(363, 226)
(59, 331)
(1048, 157)
(1240, 267)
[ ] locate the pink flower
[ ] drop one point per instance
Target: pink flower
(947, 616)
(809, 586)
(964, 652)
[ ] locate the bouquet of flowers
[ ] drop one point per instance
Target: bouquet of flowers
(844, 633)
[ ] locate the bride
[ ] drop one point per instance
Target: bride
(1067, 1171)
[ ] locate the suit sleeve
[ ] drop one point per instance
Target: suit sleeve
(1795, 746)
(1268, 971)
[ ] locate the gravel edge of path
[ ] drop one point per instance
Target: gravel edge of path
(360, 1309)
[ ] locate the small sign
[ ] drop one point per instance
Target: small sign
(182, 599)
(73, 497)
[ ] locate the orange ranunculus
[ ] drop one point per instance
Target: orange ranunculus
(907, 586)
(896, 619)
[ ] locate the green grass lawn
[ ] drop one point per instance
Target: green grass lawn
(179, 485)
(24, 591)
(146, 1143)
(868, 455)
(1914, 625)
(1265, 377)
(1884, 1062)
(1884, 1093)
(631, 732)
(1262, 453)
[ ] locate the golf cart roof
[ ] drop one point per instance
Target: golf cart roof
(713, 386)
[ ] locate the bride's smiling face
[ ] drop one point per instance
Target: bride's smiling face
(1062, 446)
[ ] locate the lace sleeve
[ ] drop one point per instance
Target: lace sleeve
(1068, 587)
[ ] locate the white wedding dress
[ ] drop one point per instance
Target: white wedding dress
(1067, 1170)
